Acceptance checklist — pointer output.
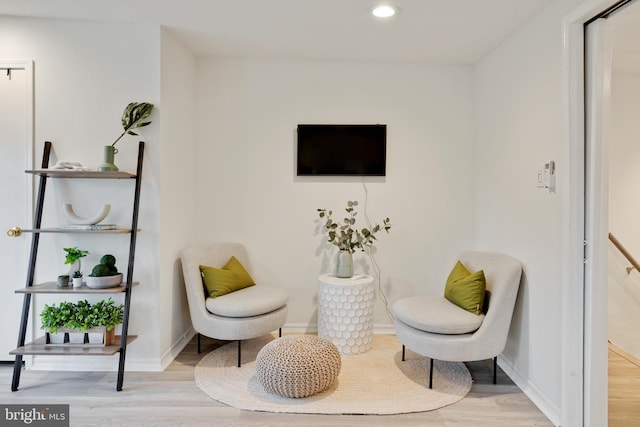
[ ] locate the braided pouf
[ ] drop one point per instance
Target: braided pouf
(298, 366)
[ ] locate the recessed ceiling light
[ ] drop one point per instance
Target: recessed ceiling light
(384, 11)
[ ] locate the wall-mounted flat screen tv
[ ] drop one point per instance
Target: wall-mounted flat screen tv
(342, 150)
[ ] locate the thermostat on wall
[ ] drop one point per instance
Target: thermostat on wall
(547, 176)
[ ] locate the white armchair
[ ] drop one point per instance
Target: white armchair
(247, 313)
(438, 329)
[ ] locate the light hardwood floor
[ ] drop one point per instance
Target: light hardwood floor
(171, 398)
(624, 389)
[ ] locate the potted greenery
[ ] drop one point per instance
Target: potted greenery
(348, 238)
(135, 116)
(105, 314)
(77, 279)
(72, 257)
(55, 318)
(82, 322)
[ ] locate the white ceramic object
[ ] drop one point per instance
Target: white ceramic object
(75, 219)
(104, 282)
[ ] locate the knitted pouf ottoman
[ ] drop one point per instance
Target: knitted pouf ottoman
(298, 366)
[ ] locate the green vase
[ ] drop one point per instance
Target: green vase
(109, 153)
(345, 264)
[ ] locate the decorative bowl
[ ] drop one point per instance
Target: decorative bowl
(104, 281)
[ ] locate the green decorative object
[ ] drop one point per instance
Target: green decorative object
(108, 159)
(344, 268)
(135, 116)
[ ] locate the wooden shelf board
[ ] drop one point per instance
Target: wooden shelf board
(52, 288)
(118, 230)
(38, 347)
(67, 173)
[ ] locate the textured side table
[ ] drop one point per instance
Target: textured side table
(345, 312)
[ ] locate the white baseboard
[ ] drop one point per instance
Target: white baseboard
(176, 348)
(538, 398)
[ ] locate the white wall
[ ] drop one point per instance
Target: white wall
(519, 116)
(85, 74)
(178, 192)
(624, 211)
(248, 191)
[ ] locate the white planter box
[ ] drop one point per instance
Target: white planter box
(94, 337)
(76, 337)
(55, 338)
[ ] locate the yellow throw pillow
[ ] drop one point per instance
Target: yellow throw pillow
(466, 289)
(220, 281)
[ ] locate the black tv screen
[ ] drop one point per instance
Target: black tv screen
(342, 150)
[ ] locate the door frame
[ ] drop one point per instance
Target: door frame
(585, 381)
(27, 184)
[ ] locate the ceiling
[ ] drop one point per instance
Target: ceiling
(451, 32)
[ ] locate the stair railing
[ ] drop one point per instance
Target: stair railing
(625, 253)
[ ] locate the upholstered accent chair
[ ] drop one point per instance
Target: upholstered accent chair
(243, 314)
(434, 327)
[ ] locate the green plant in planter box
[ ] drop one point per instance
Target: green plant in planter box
(54, 317)
(81, 320)
(82, 315)
(106, 313)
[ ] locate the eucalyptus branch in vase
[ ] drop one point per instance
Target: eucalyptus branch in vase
(349, 238)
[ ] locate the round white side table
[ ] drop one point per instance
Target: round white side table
(345, 312)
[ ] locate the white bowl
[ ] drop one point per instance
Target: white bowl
(104, 282)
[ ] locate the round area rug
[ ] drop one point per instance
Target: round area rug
(376, 382)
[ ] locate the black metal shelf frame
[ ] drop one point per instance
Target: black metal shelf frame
(44, 175)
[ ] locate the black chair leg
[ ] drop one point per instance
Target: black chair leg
(239, 352)
(280, 332)
(495, 368)
(198, 342)
(431, 373)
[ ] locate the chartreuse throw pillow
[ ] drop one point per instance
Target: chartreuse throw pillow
(466, 289)
(220, 281)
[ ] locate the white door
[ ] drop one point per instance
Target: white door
(16, 155)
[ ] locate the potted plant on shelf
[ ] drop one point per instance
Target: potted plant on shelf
(55, 318)
(77, 279)
(135, 116)
(348, 238)
(73, 256)
(105, 315)
(96, 321)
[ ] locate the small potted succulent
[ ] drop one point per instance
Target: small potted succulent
(77, 279)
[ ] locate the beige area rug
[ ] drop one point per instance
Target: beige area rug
(375, 382)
